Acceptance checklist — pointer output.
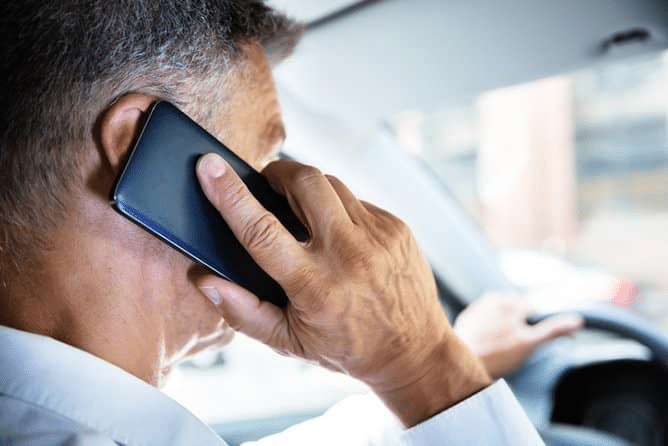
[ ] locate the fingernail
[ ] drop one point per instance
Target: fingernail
(213, 165)
(212, 293)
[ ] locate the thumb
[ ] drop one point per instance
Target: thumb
(555, 327)
(244, 312)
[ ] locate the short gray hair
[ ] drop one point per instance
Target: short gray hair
(63, 61)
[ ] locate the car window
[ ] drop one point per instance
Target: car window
(567, 176)
(564, 176)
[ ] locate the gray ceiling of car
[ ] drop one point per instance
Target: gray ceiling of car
(311, 10)
(401, 54)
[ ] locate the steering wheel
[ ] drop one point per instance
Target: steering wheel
(623, 323)
(617, 321)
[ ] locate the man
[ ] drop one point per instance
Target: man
(94, 311)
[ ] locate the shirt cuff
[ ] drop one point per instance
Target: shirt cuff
(490, 417)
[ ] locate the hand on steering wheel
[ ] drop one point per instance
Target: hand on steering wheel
(495, 328)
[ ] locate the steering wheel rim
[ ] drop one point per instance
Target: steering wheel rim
(621, 322)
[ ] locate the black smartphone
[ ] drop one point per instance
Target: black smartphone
(158, 189)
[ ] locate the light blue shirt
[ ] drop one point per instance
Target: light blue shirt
(54, 394)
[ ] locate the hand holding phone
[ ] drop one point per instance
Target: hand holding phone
(362, 298)
(158, 189)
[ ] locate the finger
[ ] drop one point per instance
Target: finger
(244, 312)
(271, 245)
(554, 327)
(354, 207)
(508, 304)
(308, 190)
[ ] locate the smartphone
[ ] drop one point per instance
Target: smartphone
(158, 189)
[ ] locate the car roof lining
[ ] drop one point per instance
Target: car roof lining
(385, 57)
(340, 14)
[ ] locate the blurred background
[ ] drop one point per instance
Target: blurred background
(573, 166)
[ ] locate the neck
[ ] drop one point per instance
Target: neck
(81, 302)
(111, 289)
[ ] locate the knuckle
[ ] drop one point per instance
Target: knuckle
(391, 224)
(305, 174)
(401, 229)
(233, 194)
(397, 232)
(261, 233)
(334, 180)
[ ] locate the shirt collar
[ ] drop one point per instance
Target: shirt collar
(94, 393)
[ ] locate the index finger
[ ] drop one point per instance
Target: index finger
(272, 246)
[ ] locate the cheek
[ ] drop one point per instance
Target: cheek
(254, 128)
(243, 141)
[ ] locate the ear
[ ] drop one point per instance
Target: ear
(119, 126)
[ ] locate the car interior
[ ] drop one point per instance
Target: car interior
(525, 143)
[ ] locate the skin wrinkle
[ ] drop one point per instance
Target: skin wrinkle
(261, 234)
(390, 282)
(275, 131)
(425, 372)
(370, 304)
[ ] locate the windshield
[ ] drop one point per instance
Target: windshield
(567, 178)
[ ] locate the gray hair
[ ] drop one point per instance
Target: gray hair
(63, 61)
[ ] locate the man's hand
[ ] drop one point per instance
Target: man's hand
(495, 328)
(362, 298)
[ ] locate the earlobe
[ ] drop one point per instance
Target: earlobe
(119, 126)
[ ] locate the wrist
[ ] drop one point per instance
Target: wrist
(417, 390)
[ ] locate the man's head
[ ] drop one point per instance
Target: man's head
(78, 77)
(63, 62)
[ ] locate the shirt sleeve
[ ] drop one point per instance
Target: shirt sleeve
(359, 420)
(491, 417)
